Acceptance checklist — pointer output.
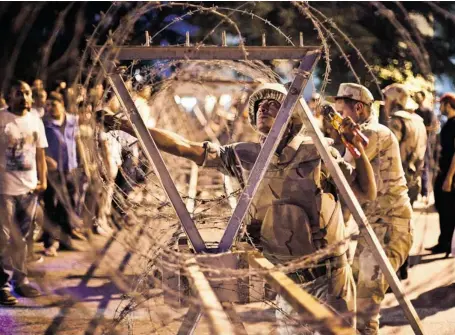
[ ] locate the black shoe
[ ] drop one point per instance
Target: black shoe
(6, 298)
(438, 249)
(403, 272)
(27, 291)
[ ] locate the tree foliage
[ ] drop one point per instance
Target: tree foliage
(46, 40)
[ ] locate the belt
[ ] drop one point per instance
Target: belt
(309, 274)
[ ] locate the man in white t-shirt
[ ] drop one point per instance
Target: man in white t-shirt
(22, 175)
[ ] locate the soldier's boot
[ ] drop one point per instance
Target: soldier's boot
(404, 270)
(367, 316)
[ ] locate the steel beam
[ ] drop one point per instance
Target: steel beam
(218, 320)
(268, 150)
(208, 52)
(190, 321)
(153, 156)
(367, 232)
(299, 299)
(269, 147)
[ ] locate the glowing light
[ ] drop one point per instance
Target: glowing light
(138, 78)
(177, 99)
(210, 102)
(188, 103)
(225, 99)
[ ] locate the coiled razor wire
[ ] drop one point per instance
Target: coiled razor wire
(151, 239)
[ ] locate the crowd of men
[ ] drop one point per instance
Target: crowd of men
(48, 180)
(297, 209)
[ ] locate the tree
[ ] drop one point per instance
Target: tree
(48, 39)
(383, 33)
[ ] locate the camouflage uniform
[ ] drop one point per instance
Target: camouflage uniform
(389, 214)
(390, 217)
(294, 216)
(412, 137)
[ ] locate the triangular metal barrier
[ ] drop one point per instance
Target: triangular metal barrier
(309, 57)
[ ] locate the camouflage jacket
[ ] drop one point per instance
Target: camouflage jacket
(392, 203)
(412, 138)
(296, 211)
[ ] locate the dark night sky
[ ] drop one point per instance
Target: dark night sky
(40, 30)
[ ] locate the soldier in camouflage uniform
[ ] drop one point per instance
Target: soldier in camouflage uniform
(411, 133)
(389, 214)
(296, 210)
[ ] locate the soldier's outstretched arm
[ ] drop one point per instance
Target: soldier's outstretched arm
(165, 140)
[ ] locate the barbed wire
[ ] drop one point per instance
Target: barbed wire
(152, 240)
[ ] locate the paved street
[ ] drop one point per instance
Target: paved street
(82, 299)
(431, 284)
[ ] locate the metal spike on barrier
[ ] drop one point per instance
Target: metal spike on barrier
(187, 39)
(223, 39)
(147, 39)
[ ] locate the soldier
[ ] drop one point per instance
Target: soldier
(409, 128)
(411, 133)
(293, 213)
(389, 214)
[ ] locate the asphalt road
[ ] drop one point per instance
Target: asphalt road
(82, 298)
(430, 286)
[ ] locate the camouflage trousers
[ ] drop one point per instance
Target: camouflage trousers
(396, 239)
(336, 291)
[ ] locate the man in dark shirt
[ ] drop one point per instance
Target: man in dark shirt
(431, 124)
(443, 189)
